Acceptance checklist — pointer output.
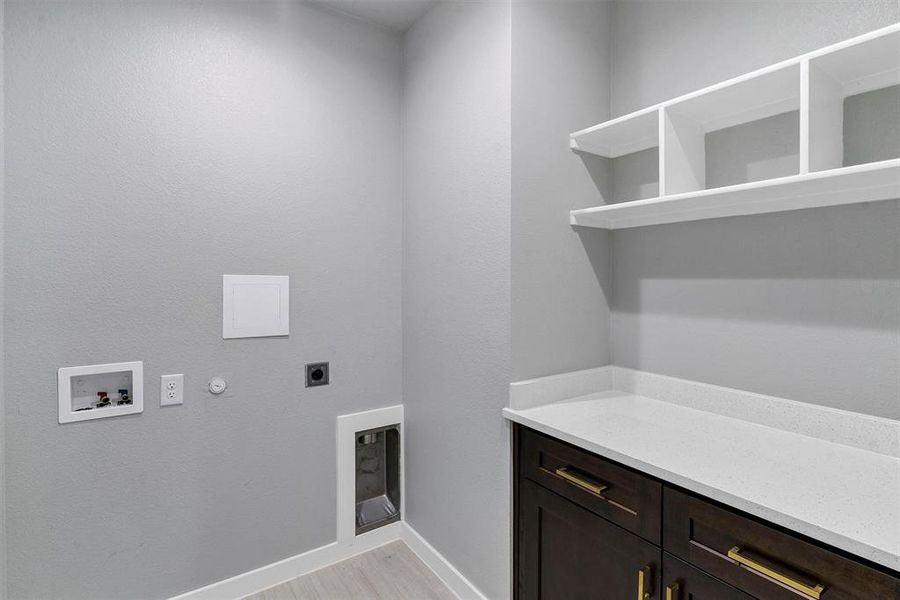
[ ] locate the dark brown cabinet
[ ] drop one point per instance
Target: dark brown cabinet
(568, 553)
(681, 581)
(625, 497)
(763, 560)
(589, 528)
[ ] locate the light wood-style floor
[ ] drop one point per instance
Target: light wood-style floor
(390, 572)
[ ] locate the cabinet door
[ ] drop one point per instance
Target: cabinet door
(684, 582)
(567, 552)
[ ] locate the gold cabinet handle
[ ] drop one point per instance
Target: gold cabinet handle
(672, 591)
(757, 566)
(579, 482)
(644, 590)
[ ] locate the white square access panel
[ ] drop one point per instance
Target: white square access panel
(255, 305)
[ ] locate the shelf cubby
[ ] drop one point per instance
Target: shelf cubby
(821, 129)
(631, 145)
(635, 176)
(854, 104)
(729, 114)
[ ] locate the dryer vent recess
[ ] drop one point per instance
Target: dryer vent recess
(377, 477)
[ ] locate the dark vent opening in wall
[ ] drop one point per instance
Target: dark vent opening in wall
(377, 477)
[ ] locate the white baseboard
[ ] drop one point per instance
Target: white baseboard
(270, 575)
(273, 574)
(445, 571)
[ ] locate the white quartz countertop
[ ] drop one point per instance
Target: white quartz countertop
(841, 495)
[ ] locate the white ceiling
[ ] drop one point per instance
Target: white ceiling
(396, 15)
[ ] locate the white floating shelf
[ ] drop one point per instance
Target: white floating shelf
(814, 85)
(631, 133)
(848, 185)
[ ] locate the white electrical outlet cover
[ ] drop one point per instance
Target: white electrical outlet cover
(171, 390)
(255, 306)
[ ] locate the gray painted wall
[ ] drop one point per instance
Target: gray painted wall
(2, 360)
(763, 149)
(137, 177)
(872, 126)
(635, 176)
(560, 277)
(804, 305)
(456, 286)
(152, 147)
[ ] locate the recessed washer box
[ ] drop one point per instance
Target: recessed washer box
(255, 306)
(81, 390)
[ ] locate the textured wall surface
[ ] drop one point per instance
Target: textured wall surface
(456, 322)
(560, 277)
(635, 176)
(872, 126)
(754, 151)
(804, 305)
(2, 327)
(148, 146)
(152, 147)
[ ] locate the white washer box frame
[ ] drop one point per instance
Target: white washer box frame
(67, 413)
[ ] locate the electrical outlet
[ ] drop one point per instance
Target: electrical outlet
(171, 390)
(317, 374)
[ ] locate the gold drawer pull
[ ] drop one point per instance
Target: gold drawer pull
(813, 591)
(644, 591)
(594, 489)
(588, 486)
(672, 591)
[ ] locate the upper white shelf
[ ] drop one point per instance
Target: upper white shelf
(848, 185)
(631, 133)
(814, 85)
(865, 65)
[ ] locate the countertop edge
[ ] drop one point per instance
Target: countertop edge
(837, 540)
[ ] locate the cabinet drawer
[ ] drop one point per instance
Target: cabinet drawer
(616, 493)
(762, 560)
(684, 582)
